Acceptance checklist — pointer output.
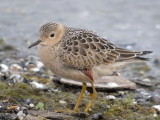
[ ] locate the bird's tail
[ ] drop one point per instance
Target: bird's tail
(131, 55)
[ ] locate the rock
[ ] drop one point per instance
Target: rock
(37, 85)
(35, 69)
(15, 68)
(155, 99)
(16, 78)
(106, 82)
(55, 90)
(34, 65)
(4, 68)
(20, 115)
(25, 111)
(111, 97)
(121, 93)
(146, 80)
(157, 62)
(31, 105)
(39, 64)
(97, 116)
(62, 102)
(157, 107)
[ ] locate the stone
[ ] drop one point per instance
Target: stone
(37, 85)
(111, 97)
(105, 83)
(4, 68)
(97, 116)
(62, 102)
(157, 107)
(31, 105)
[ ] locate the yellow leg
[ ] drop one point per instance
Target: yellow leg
(80, 97)
(94, 95)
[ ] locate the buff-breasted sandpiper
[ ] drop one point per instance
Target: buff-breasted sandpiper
(73, 53)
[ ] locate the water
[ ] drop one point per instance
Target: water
(124, 22)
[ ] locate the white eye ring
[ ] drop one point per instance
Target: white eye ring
(52, 35)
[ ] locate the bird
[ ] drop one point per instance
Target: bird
(73, 53)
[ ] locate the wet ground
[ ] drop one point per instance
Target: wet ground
(130, 24)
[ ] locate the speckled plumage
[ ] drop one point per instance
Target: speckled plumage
(80, 49)
(84, 49)
(73, 53)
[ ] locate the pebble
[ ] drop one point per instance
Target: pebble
(111, 97)
(155, 114)
(146, 80)
(62, 102)
(157, 107)
(157, 62)
(34, 65)
(16, 78)
(121, 93)
(55, 90)
(20, 115)
(35, 69)
(39, 64)
(97, 116)
(31, 105)
(4, 68)
(37, 85)
(15, 68)
(18, 108)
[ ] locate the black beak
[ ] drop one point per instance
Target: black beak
(34, 44)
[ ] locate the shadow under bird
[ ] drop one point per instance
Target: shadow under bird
(73, 53)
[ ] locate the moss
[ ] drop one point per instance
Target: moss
(33, 77)
(122, 109)
(125, 109)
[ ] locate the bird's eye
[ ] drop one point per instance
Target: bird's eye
(52, 35)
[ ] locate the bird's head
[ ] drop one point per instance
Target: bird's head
(49, 34)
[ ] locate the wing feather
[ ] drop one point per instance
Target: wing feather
(87, 50)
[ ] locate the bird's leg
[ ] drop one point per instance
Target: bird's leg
(93, 95)
(78, 101)
(80, 97)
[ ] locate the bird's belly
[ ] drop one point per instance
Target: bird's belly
(68, 73)
(52, 62)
